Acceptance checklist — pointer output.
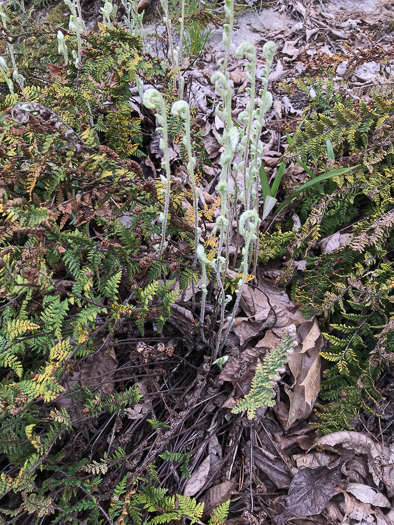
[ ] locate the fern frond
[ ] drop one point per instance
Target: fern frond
(267, 374)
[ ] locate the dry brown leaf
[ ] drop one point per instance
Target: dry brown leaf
(356, 469)
(237, 76)
(278, 73)
(332, 514)
(303, 437)
(313, 460)
(182, 312)
(265, 306)
(240, 370)
(191, 290)
(335, 241)
(290, 49)
(311, 32)
(281, 410)
(217, 495)
(380, 460)
(356, 510)
(230, 403)
(138, 411)
(55, 71)
(277, 105)
(271, 464)
(142, 409)
(269, 341)
(367, 494)
(96, 372)
(198, 95)
(212, 146)
(305, 366)
(271, 161)
(198, 479)
(310, 491)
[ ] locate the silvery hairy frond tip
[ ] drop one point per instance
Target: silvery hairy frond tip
(269, 50)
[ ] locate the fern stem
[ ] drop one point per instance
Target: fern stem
(154, 100)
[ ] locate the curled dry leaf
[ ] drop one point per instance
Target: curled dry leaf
(367, 494)
(335, 241)
(355, 509)
(380, 460)
(356, 469)
(290, 50)
(55, 71)
(305, 366)
(313, 460)
(265, 306)
(362, 513)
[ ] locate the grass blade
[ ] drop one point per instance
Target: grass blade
(313, 182)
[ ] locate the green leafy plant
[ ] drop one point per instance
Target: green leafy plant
(196, 39)
(76, 213)
(178, 457)
(267, 374)
(348, 282)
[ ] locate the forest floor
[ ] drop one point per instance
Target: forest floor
(277, 466)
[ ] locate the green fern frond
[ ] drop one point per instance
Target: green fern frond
(267, 374)
(219, 515)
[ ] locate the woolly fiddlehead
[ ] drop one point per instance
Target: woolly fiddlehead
(229, 141)
(181, 109)
(154, 100)
(248, 227)
(167, 21)
(77, 26)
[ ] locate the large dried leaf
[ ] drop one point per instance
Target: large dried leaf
(310, 491)
(217, 495)
(198, 479)
(305, 366)
(265, 306)
(272, 466)
(367, 494)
